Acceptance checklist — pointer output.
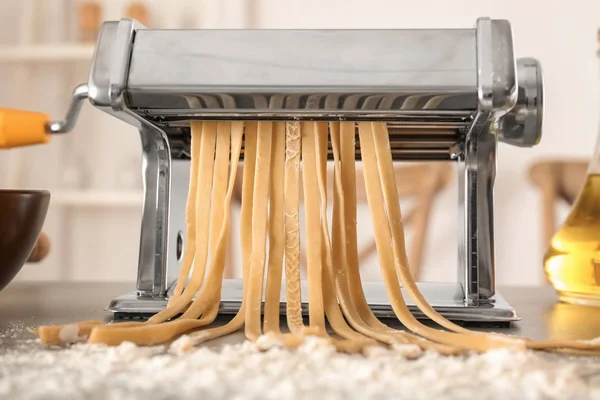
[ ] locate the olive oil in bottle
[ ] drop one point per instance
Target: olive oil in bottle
(572, 263)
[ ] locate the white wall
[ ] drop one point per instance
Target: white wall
(102, 243)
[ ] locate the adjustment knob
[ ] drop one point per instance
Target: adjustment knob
(522, 125)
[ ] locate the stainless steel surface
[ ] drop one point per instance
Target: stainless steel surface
(287, 71)
(80, 93)
(496, 71)
(477, 172)
(176, 239)
(121, 54)
(176, 225)
(154, 234)
(522, 126)
(177, 121)
(464, 82)
(446, 298)
(108, 75)
(108, 81)
(33, 304)
(414, 142)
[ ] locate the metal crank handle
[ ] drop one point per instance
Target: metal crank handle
(20, 128)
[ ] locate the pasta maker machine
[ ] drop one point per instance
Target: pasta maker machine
(447, 94)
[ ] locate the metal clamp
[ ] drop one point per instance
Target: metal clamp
(522, 126)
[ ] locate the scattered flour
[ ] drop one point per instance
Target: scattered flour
(265, 370)
(11, 331)
(594, 341)
(70, 334)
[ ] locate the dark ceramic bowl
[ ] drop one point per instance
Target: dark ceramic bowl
(22, 216)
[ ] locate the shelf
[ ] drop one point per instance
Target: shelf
(47, 53)
(96, 199)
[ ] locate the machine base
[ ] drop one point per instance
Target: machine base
(446, 298)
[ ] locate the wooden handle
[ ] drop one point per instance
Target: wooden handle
(41, 249)
(22, 128)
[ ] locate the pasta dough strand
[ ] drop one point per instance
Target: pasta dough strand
(292, 231)
(272, 162)
(387, 261)
(203, 195)
(276, 231)
(144, 334)
(250, 137)
(352, 271)
(259, 230)
(190, 249)
(341, 258)
(356, 318)
(218, 223)
(249, 167)
(332, 310)
(383, 153)
(210, 292)
(54, 334)
(316, 312)
(390, 195)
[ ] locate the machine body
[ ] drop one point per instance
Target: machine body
(447, 94)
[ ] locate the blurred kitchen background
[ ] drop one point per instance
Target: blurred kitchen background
(94, 172)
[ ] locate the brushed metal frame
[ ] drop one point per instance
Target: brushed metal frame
(467, 79)
(107, 84)
(446, 298)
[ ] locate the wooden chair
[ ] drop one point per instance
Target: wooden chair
(556, 180)
(422, 182)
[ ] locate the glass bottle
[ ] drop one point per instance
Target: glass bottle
(572, 262)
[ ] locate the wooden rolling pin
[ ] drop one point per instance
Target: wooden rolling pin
(41, 249)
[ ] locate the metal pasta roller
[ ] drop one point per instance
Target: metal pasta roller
(446, 94)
